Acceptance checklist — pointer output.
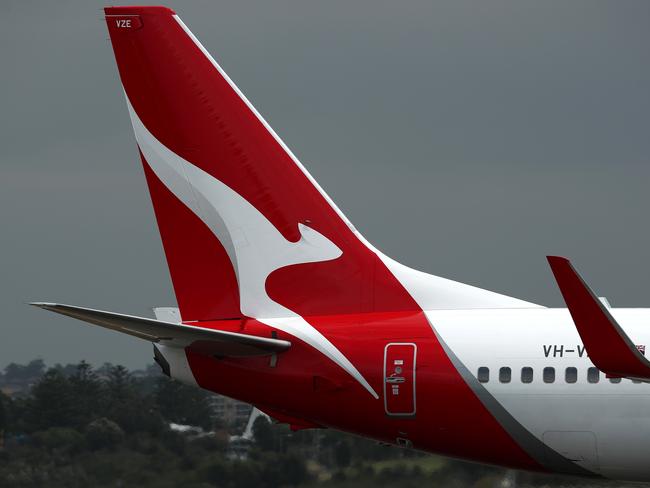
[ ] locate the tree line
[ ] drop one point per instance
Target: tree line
(79, 426)
(73, 399)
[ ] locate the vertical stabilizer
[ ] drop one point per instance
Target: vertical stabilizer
(246, 230)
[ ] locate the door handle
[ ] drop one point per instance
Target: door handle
(395, 379)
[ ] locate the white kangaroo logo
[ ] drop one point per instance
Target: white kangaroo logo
(255, 247)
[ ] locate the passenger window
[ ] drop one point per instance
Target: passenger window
(615, 380)
(593, 375)
(637, 381)
(484, 374)
(571, 375)
(526, 375)
(505, 375)
(549, 375)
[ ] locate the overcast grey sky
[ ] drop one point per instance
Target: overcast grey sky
(467, 139)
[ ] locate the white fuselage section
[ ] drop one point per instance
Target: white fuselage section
(603, 426)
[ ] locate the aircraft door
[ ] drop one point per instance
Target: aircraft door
(399, 379)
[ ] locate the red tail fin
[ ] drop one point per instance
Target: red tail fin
(246, 230)
(215, 168)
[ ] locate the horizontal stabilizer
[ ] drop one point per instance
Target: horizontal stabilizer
(608, 346)
(208, 341)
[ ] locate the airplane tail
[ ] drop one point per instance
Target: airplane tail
(246, 230)
(244, 226)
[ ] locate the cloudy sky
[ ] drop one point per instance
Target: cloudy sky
(467, 139)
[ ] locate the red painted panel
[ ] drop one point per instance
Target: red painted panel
(450, 419)
(202, 274)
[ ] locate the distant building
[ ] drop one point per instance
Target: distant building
(232, 413)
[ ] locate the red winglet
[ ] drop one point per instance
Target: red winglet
(607, 345)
